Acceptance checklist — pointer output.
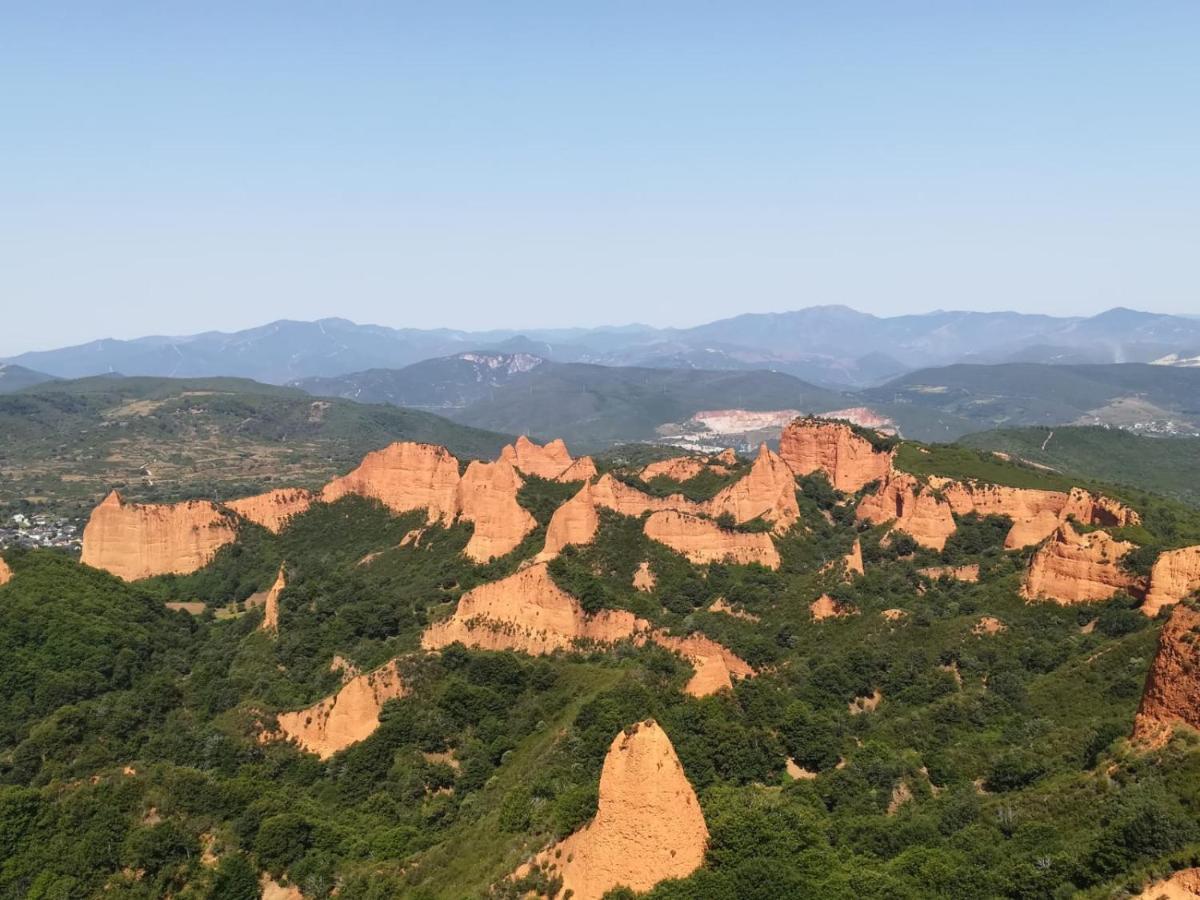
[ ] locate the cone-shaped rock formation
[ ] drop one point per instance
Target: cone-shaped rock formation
(273, 509)
(347, 717)
(913, 507)
(1172, 692)
(1175, 576)
(553, 461)
(1078, 568)
(270, 622)
(133, 541)
(702, 541)
(768, 490)
(850, 461)
(487, 496)
(648, 825)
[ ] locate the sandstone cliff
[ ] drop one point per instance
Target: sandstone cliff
(677, 468)
(1078, 568)
(404, 476)
(643, 578)
(1182, 885)
(349, 716)
(273, 509)
(552, 461)
(133, 541)
(715, 666)
(5, 572)
(702, 541)
(487, 496)
(583, 469)
(850, 461)
(270, 622)
(915, 508)
(648, 825)
(528, 612)
(1175, 576)
(1172, 692)
(767, 490)
(956, 573)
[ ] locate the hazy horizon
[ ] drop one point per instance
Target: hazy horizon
(173, 170)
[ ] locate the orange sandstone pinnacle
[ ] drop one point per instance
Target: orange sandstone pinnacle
(849, 461)
(1172, 692)
(6, 573)
(648, 825)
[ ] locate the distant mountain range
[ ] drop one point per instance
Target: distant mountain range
(831, 346)
(17, 378)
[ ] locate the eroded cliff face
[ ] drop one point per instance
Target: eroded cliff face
(677, 468)
(552, 461)
(643, 578)
(702, 541)
(5, 572)
(715, 666)
(955, 573)
(270, 622)
(1078, 568)
(404, 476)
(648, 825)
(915, 508)
(349, 716)
(1175, 576)
(273, 509)
(1172, 693)
(854, 560)
(767, 490)
(487, 496)
(528, 612)
(1182, 885)
(1036, 514)
(133, 541)
(849, 461)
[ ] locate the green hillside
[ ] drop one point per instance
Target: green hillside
(67, 442)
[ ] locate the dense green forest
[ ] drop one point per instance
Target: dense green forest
(131, 764)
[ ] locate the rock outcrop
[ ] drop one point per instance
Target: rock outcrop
(528, 612)
(1174, 577)
(404, 476)
(347, 717)
(955, 573)
(134, 541)
(702, 541)
(1182, 885)
(715, 666)
(270, 622)
(643, 578)
(825, 607)
(1172, 693)
(487, 496)
(5, 572)
(648, 825)
(677, 468)
(915, 508)
(1035, 514)
(273, 509)
(583, 469)
(768, 491)
(1078, 568)
(553, 461)
(849, 461)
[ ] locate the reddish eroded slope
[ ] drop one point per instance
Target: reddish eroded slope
(1175, 576)
(703, 541)
(487, 496)
(914, 508)
(133, 541)
(347, 717)
(677, 468)
(1078, 568)
(1182, 885)
(1172, 692)
(528, 612)
(553, 461)
(955, 573)
(715, 666)
(767, 490)
(648, 825)
(270, 622)
(273, 509)
(404, 476)
(5, 572)
(849, 461)
(1035, 514)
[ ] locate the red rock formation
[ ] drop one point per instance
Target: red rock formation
(703, 541)
(404, 476)
(1182, 885)
(270, 889)
(134, 541)
(583, 469)
(850, 461)
(528, 612)
(5, 572)
(273, 509)
(1078, 568)
(643, 578)
(487, 496)
(721, 605)
(825, 607)
(349, 716)
(1172, 693)
(715, 666)
(854, 560)
(915, 508)
(988, 625)
(270, 622)
(768, 490)
(677, 468)
(648, 825)
(957, 573)
(549, 461)
(1175, 576)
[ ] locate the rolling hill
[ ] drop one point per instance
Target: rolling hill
(16, 378)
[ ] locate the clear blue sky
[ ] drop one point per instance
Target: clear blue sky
(172, 167)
